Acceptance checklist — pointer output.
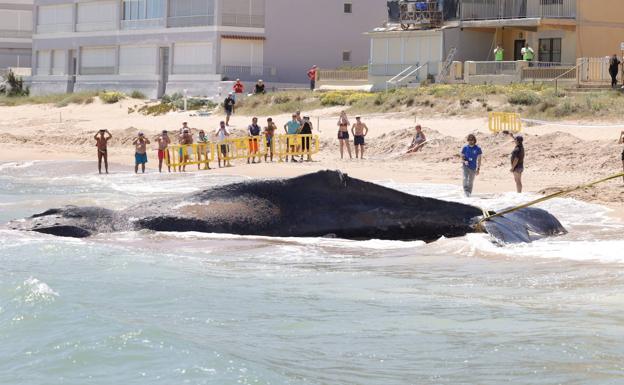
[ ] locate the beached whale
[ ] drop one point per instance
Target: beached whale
(325, 203)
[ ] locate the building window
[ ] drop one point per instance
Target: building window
(346, 56)
(143, 9)
(190, 13)
(348, 8)
(550, 50)
(98, 61)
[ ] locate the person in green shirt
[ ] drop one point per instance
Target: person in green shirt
(499, 53)
(527, 53)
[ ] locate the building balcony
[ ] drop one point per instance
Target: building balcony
(487, 10)
(190, 21)
(143, 24)
(242, 20)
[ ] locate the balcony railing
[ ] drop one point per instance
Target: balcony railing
(192, 69)
(4, 33)
(249, 73)
(242, 20)
(143, 24)
(517, 9)
(190, 21)
(495, 68)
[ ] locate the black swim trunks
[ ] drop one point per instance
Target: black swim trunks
(343, 134)
(623, 155)
(358, 140)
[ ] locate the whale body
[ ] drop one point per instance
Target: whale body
(321, 204)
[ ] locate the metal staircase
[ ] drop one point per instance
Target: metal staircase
(446, 67)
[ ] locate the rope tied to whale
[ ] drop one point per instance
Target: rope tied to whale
(488, 215)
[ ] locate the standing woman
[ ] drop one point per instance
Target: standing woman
(517, 162)
(614, 68)
(343, 134)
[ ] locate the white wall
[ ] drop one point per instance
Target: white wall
(192, 58)
(137, 60)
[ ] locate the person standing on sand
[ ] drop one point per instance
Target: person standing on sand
(222, 133)
(253, 131)
(343, 134)
(614, 68)
(163, 142)
(101, 142)
(140, 152)
(621, 141)
(292, 127)
(306, 129)
(312, 77)
(202, 150)
(185, 140)
(269, 132)
(228, 107)
(419, 140)
(359, 131)
(471, 163)
(517, 162)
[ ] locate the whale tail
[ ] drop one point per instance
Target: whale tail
(522, 225)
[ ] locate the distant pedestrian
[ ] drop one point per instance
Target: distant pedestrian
(527, 53)
(499, 53)
(222, 153)
(259, 88)
(419, 140)
(238, 88)
(312, 77)
(163, 142)
(269, 133)
(359, 131)
(140, 152)
(621, 141)
(343, 134)
(101, 142)
(471, 163)
(517, 162)
(202, 150)
(306, 129)
(186, 149)
(253, 131)
(228, 106)
(292, 127)
(614, 69)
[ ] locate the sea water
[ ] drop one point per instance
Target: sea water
(189, 308)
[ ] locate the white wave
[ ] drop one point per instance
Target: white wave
(10, 165)
(33, 290)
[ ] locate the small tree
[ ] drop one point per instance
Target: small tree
(13, 85)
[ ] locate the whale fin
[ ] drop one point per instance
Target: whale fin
(516, 227)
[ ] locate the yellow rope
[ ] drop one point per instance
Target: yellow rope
(487, 217)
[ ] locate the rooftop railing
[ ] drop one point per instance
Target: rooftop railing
(517, 9)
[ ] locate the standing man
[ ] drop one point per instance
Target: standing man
(269, 133)
(163, 142)
(517, 162)
(527, 54)
(222, 133)
(185, 140)
(228, 106)
(312, 77)
(101, 142)
(471, 163)
(140, 152)
(359, 131)
(614, 68)
(292, 127)
(499, 53)
(306, 129)
(253, 131)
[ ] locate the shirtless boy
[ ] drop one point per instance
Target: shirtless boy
(140, 153)
(101, 142)
(163, 142)
(359, 131)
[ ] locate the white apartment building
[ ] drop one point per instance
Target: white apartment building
(15, 33)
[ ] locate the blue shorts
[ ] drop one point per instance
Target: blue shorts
(140, 158)
(358, 140)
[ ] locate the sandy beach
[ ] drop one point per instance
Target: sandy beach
(557, 156)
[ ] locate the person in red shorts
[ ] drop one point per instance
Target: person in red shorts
(253, 131)
(163, 142)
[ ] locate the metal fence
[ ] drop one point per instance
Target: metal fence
(242, 20)
(549, 72)
(342, 75)
(517, 9)
(190, 21)
(595, 70)
(249, 73)
(495, 68)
